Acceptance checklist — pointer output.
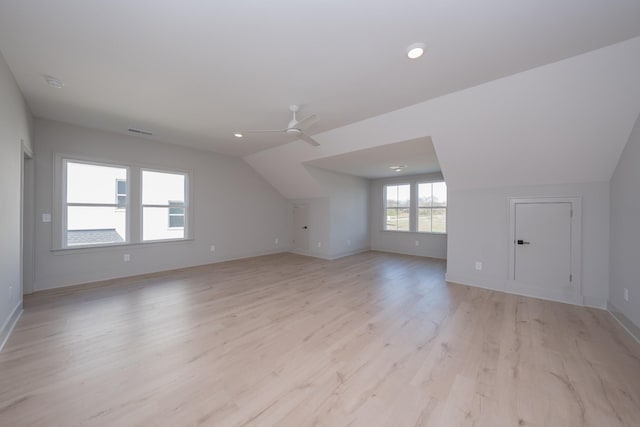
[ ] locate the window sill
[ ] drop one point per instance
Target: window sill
(114, 246)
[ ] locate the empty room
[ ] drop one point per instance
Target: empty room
(320, 213)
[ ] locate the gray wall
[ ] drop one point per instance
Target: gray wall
(429, 245)
(233, 208)
(479, 231)
(625, 230)
(15, 125)
(339, 222)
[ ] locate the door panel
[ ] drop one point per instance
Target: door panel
(543, 245)
(300, 227)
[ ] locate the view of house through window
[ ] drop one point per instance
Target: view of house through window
(163, 205)
(93, 214)
(397, 206)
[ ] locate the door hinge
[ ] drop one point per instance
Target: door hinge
(571, 213)
(571, 278)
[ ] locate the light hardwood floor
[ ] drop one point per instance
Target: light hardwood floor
(369, 340)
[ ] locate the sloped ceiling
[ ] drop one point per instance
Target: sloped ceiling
(193, 72)
(560, 123)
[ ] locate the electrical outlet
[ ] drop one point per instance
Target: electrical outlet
(126, 257)
(349, 242)
(212, 248)
(46, 217)
(626, 294)
(417, 243)
(277, 240)
(319, 244)
(478, 265)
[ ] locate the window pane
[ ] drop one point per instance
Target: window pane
(155, 225)
(158, 188)
(424, 194)
(391, 192)
(121, 186)
(424, 220)
(439, 194)
(92, 183)
(392, 219)
(91, 225)
(439, 220)
(404, 195)
(403, 219)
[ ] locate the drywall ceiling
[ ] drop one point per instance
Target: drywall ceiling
(565, 122)
(418, 155)
(195, 72)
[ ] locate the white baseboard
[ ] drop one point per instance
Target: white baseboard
(625, 322)
(327, 257)
(9, 324)
(595, 302)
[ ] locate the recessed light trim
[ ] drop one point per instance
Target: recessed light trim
(415, 50)
(53, 82)
(238, 134)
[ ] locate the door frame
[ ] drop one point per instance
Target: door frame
(27, 219)
(573, 294)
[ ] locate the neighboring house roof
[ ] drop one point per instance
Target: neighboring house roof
(87, 237)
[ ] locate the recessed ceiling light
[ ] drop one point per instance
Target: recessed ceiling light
(415, 50)
(53, 82)
(238, 135)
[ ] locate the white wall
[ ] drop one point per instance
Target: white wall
(430, 245)
(625, 230)
(340, 221)
(479, 231)
(15, 125)
(319, 223)
(233, 208)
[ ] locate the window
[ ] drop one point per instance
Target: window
(91, 215)
(432, 207)
(101, 204)
(416, 206)
(163, 196)
(397, 207)
(121, 193)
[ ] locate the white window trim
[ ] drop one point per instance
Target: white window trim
(384, 202)
(413, 181)
(187, 210)
(134, 210)
(418, 207)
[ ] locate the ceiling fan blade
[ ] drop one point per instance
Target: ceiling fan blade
(263, 130)
(308, 139)
(307, 122)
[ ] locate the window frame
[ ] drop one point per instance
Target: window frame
(133, 215)
(385, 207)
(413, 182)
(431, 208)
(186, 205)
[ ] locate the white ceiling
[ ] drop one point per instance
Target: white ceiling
(194, 72)
(418, 155)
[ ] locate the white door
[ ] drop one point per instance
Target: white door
(542, 242)
(301, 227)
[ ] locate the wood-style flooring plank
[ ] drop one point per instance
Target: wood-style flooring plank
(373, 339)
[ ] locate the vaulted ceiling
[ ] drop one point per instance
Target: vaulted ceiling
(522, 93)
(195, 72)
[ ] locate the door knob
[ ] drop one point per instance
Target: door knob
(305, 227)
(522, 242)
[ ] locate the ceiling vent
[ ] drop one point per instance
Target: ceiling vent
(140, 131)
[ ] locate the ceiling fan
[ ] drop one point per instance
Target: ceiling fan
(295, 127)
